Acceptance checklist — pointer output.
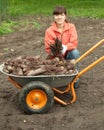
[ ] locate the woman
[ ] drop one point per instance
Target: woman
(64, 31)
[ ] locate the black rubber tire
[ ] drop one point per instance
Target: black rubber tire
(36, 85)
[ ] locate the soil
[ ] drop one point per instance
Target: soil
(87, 113)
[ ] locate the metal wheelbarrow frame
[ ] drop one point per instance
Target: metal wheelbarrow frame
(37, 91)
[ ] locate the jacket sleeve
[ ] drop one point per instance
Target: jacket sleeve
(48, 40)
(73, 41)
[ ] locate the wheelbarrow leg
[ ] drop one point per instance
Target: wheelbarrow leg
(68, 89)
(62, 92)
(60, 101)
(73, 93)
(14, 82)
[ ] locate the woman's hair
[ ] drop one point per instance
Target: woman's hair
(59, 10)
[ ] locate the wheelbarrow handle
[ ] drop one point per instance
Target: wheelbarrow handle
(92, 64)
(90, 50)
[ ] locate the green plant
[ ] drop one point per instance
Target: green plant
(6, 27)
(36, 24)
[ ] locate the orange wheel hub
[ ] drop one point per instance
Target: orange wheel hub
(36, 99)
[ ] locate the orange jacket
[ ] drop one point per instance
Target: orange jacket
(68, 36)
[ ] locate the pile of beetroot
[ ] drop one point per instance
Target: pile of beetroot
(34, 65)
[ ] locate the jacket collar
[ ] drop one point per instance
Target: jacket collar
(66, 26)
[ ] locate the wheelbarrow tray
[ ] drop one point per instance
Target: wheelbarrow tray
(52, 80)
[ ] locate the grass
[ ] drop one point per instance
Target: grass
(6, 27)
(19, 8)
(10, 26)
(75, 8)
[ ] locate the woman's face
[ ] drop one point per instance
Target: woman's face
(60, 18)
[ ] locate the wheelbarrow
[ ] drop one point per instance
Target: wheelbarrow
(37, 93)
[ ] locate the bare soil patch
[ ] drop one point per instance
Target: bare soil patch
(87, 113)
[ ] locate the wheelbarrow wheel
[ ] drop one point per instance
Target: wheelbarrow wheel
(36, 97)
